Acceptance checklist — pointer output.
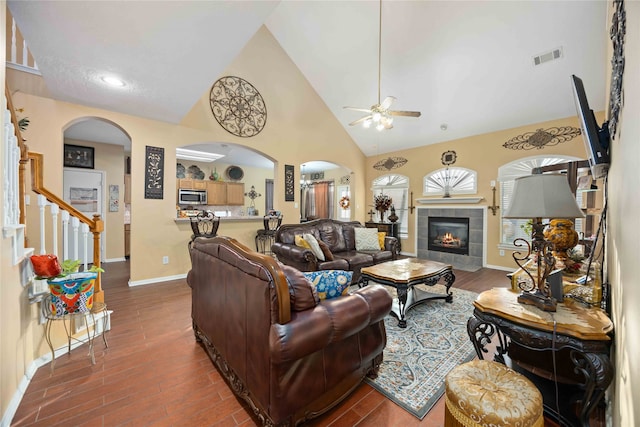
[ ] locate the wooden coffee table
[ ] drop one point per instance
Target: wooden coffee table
(404, 274)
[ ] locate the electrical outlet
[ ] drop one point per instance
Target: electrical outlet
(501, 252)
(165, 259)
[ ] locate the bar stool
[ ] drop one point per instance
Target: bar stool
(205, 224)
(266, 236)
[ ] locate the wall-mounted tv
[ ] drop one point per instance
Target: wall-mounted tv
(596, 139)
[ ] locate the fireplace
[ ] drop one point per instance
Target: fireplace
(447, 234)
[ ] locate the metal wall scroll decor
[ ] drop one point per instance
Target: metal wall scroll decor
(390, 163)
(289, 183)
(449, 157)
(541, 138)
(153, 172)
(238, 106)
(617, 33)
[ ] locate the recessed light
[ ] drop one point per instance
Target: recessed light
(113, 81)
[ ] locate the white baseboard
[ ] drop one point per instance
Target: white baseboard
(108, 260)
(499, 267)
(156, 280)
(12, 408)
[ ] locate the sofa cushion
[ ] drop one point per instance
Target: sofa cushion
(314, 246)
(302, 294)
(330, 283)
(331, 234)
(366, 239)
(381, 236)
(328, 256)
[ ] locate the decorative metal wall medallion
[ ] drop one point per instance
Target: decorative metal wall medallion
(345, 179)
(449, 157)
(541, 138)
(617, 32)
(238, 106)
(390, 163)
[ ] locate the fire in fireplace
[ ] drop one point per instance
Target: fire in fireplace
(448, 234)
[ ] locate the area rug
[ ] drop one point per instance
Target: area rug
(417, 358)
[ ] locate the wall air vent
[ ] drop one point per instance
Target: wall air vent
(552, 55)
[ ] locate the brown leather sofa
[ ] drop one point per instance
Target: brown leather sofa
(340, 238)
(289, 355)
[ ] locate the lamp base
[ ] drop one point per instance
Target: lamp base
(543, 302)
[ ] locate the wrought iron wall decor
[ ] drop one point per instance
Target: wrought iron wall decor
(541, 138)
(345, 180)
(390, 163)
(449, 157)
(153, 172)
(289, 183)
(617, 33)
(238, 106)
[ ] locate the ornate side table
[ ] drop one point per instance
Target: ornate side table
(565, 353)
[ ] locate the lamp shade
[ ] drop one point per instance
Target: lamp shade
(543, 196)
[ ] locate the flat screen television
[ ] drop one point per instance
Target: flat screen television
(596, 139)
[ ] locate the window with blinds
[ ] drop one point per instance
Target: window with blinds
(396, 187)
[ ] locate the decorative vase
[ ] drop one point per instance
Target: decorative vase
(560, 232)
(214, 175)
(393, 217)
(382, 215)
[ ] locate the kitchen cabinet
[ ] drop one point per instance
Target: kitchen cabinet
(185, 183)
(216, 193)
(235, 193)
(199, 184)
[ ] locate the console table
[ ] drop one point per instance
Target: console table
(391, 228)
(574, 342)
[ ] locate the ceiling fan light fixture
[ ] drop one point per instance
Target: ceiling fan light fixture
(366, 124)
(376, 117)
(380, 127)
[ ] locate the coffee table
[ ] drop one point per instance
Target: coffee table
(404, 275)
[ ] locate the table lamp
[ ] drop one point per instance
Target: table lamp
(540, 196)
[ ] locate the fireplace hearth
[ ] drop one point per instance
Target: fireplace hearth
(449, 235)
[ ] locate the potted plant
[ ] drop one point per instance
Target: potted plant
(71, 291)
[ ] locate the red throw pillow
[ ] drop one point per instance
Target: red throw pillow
(46, 265)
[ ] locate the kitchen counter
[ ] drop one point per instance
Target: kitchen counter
(226, 218)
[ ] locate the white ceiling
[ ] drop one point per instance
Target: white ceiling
(466, 64)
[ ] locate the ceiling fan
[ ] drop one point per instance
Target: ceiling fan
(380, 114)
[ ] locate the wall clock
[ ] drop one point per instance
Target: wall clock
(238, 106)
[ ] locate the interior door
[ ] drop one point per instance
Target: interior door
(84, 191)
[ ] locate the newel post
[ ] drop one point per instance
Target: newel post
(97, 230)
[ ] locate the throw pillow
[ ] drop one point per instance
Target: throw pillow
(328, 256)
(301, 242)
(330, 283)
(381, 236)
(366, 239)
(314, 246)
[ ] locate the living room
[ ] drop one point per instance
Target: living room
(301, 128)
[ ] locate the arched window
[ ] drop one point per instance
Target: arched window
(449, 181)
(511, 229)
(396, 187)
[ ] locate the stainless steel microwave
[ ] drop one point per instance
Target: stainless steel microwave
(192, 197)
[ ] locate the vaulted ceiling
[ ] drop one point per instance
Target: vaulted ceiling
(466, 65)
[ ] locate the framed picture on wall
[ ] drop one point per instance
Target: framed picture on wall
(289, 183)
(77, 156)
(154, 172)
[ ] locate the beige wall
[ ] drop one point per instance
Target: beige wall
(623, 233)
(482, 153)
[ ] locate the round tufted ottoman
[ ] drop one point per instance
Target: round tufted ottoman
(484, 393)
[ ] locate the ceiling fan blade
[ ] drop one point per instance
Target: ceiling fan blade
(360, 120)
(405, 113)
(387, 102)
(364, 110)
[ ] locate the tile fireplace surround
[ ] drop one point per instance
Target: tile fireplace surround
(471, 262)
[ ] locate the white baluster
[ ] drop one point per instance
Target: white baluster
(14, 53)
(75, 223)
(85, 233)
(55, 209)
(65, 234)
(25, 54)
(42, 203)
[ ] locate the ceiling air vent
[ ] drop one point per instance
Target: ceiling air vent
(547, 56)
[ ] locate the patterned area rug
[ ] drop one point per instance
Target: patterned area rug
(418, 357)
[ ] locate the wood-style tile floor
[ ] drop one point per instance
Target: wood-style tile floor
(155, 374)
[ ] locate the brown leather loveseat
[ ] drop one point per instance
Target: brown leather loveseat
(339, 237)
(289, 355)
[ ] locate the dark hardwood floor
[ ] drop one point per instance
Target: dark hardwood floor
(155, 374)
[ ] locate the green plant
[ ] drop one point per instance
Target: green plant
(71, 266)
